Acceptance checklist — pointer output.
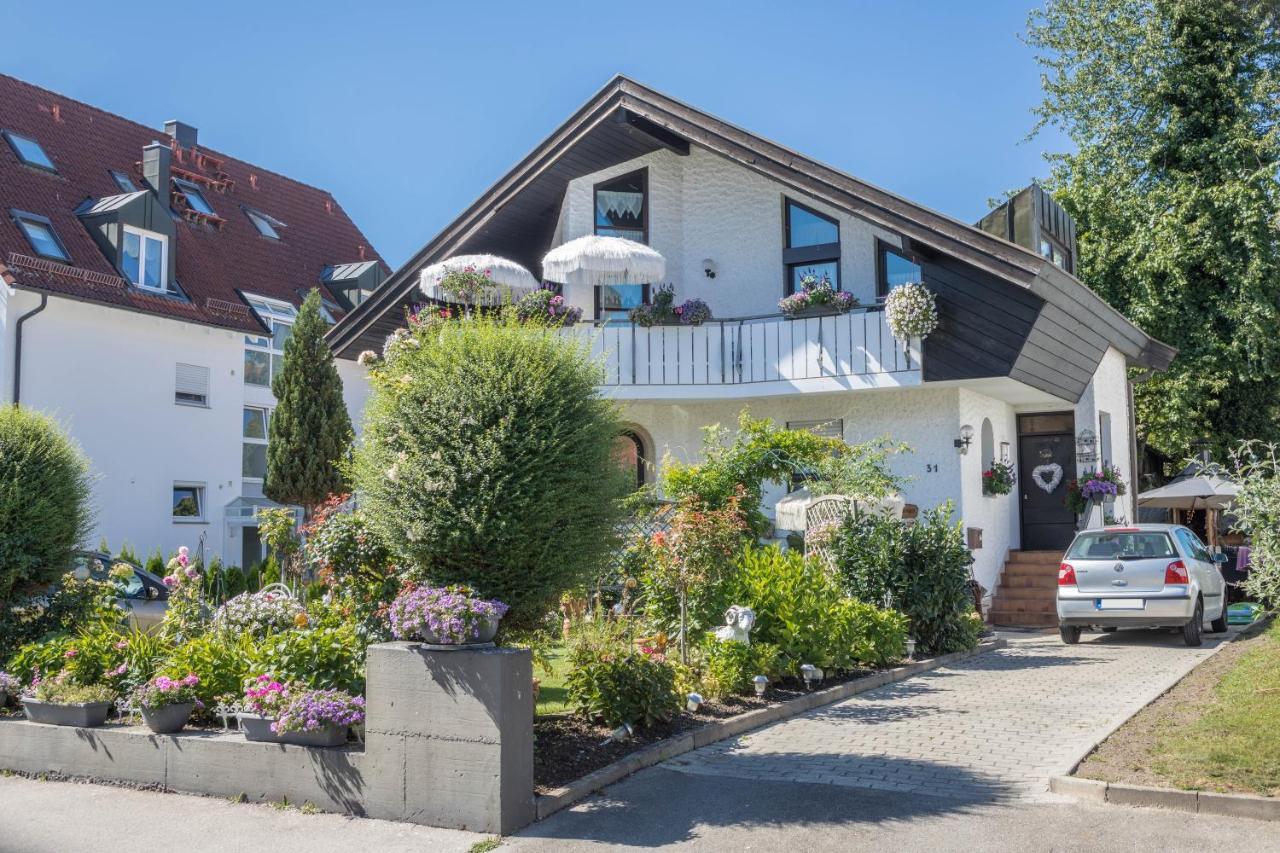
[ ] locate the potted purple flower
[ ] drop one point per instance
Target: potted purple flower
(445, 616)
(167, 703)
(817, 297)
(693, 312)
(288, 712)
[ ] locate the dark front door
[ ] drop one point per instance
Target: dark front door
(1046, 464)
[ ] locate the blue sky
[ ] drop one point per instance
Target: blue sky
(406, 111)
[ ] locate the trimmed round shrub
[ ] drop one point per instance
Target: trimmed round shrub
(44, 501)
(487, 460)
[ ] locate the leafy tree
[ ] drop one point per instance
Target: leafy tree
(1172, 107)
(45, 511)
(310, 432)
(487, 460)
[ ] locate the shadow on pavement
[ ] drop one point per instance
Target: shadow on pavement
(662, 806)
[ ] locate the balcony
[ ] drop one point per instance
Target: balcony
(753, 357)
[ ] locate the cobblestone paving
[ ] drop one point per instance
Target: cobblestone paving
(993, 727)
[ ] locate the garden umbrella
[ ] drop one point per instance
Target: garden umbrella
(1201, 491)
(597, 261)
(509, 277)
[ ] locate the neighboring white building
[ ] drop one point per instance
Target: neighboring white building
(148, 288)
(1027, 365)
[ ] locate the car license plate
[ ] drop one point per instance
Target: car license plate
(1120, 604)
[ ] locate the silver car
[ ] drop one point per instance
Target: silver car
(1143, 576)
(144, 596)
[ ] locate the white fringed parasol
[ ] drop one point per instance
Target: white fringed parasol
(596, 260)
(509, 278)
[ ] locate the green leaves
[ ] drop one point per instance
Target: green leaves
(1171, 107)
(309, 434)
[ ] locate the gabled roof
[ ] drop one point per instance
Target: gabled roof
(624, 120)
(213, 264)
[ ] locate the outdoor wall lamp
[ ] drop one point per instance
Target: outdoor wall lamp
(709, 267)
(966, 438)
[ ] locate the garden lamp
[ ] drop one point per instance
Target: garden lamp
(693, 702)
(761, 684)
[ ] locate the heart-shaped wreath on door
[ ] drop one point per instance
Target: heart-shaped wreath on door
(1047, 477)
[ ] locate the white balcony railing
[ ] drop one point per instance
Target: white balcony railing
(754, 356)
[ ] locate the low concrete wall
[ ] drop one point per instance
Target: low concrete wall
(449, 742)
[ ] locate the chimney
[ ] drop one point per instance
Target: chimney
(155, 169)
(185, 134)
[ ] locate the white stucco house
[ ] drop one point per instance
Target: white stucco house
(147, 286)
(1026, 364)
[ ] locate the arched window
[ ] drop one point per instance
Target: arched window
(630, 452)
(988, 445)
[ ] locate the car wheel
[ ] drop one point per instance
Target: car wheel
(1070, 634)
(1219, 625)
(1191, 632)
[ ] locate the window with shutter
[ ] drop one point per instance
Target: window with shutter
(191, 385)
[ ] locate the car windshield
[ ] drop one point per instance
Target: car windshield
(1122, 545)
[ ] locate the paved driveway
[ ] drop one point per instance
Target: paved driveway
(994, 726)
(957, 758)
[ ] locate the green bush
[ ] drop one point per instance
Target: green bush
(220, 658)
(921, 569)
(323, 658)
(625, 686)
(99, 652)
(487, 460)
(44, 501)
(72, 605)
(801, 609)
(729, 667)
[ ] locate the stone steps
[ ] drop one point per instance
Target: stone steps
(1026, 596)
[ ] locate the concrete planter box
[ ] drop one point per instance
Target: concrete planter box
(168, 719)
(257, 728)
(87, 715)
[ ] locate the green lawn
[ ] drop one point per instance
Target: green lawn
(1234, 745)
(552, 697)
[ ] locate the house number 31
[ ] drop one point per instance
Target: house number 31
(931, 468)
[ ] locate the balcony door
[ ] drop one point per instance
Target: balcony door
(622, 210)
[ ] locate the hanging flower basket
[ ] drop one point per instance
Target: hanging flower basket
(998, 479)
(912, 311)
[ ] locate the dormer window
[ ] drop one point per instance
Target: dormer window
(29, 151)
(265, 224)
(145, 258)
(40, 234)
(811, 247)
(124, 182)
(195, 198)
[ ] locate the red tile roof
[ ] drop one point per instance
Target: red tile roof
(85, 142)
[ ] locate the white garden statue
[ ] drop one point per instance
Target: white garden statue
(738, 622)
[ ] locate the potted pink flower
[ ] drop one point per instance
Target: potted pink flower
(288, 712)
(167, 703)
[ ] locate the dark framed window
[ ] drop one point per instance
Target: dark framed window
(894, 267)
(29, 151)
(622, 207)
(40, 234)
(1052, 250)
(810, 247)
(622, 210)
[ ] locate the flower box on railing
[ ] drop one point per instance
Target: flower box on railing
(816, 311)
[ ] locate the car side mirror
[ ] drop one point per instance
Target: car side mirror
(153, 594)
(1220, 558)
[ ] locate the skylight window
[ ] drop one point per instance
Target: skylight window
(40, 234)
(29, 151)
(195, 198)
(124, 182)
(265, 224)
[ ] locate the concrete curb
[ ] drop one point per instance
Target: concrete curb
(1197, 802)
(549, 804)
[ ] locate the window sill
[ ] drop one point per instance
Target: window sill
(191, 405)
(190, 521)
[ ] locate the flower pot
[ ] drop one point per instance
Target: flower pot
(167, 719)
(4, 698)
(815, 311)
(488, 630)
(86, 715)
(257, 728)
